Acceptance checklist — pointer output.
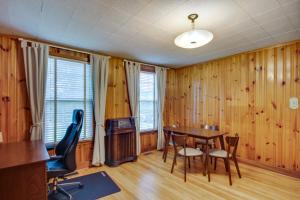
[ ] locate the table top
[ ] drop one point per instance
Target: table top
(195, 132)
(22, 153)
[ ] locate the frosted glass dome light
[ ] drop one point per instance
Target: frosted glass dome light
(194, 38)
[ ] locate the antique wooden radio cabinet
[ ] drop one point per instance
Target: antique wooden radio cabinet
(120, 141)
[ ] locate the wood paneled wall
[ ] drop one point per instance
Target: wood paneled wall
(246, 94)
(117, 104)
(15, 117)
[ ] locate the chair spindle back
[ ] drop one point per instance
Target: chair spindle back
(232, 141)
(178, 140)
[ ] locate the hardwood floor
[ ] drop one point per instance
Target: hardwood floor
(149, 179)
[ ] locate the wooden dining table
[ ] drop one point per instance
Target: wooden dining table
(198, 133)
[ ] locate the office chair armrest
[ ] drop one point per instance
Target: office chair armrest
(50, 146)
(55, 157)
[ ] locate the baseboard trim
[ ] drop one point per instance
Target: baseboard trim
(294, 174)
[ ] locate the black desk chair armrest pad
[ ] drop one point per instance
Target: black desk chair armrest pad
(50, 146)
(55, 157)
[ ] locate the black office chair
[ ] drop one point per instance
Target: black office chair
(64, 161)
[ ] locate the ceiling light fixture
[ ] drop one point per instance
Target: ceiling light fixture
(194, 38)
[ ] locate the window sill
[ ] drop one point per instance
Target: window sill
(148, 131)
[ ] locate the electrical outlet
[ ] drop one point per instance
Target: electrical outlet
(293, 103)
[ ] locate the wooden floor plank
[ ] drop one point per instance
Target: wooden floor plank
(149, 179)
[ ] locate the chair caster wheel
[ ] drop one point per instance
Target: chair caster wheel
(80, 186)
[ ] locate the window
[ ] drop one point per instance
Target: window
(147, 101)
(69, 87)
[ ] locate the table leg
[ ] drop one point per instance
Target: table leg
(206, 158)
(221, 138)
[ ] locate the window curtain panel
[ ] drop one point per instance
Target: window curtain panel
(100, 67)
(161, 79)
(35, 57)
(133, 85)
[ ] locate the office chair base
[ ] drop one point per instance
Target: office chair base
(58, 188)
(80, 185)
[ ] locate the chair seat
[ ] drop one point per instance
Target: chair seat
(219, 153)
(203, 141)
(190, 152)
(210, 150)
(56, 168)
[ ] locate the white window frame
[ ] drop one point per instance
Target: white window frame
(154, 105)
(85, 138)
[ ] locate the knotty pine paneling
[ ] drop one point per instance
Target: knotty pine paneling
(15, 117)
(117, 104)
(246, 94)
(148, 141)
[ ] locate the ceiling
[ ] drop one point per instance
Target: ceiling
(144, 30)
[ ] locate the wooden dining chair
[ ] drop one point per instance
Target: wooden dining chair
(179, 141)
(230, 153)
(201, 142)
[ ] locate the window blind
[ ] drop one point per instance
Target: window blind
(69, 87)
(147, 101)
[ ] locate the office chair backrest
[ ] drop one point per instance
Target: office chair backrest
(67, 146)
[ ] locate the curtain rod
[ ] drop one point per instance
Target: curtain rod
(61, 47)
(144, 63)
(80, 51)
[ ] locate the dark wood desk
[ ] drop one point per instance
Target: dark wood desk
(23, 170)
(198, 133)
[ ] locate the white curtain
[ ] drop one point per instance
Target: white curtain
(100, 67)
(133, 84)
(35, 57)
(161, 79)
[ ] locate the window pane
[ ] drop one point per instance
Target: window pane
(49, 102)
(64, 117)
(70, 94)
(146, 115)
(69, 87)
(89, 83)
(147, 102)
(89, 117)
(70, 80)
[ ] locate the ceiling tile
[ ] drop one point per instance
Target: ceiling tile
(256, 7)
(235, 28)
(282, 2)
(287, 36)
(277, 25)
(291, 7)
(268, 15)
(131, 7)
(264, 42)
(156, 9)
(295, 20)
(254, 33)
